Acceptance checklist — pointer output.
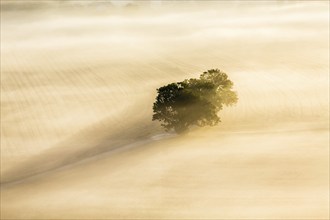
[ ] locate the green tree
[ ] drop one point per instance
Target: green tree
(193, 102)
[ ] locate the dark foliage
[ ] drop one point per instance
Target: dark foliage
(194, 102)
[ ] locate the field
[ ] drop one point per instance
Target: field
(77, 87)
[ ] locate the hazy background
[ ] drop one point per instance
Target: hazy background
(78, 80)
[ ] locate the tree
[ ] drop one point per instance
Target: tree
(193, 102)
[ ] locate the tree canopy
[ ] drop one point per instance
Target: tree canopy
(193, 102)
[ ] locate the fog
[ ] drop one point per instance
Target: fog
(77, 86)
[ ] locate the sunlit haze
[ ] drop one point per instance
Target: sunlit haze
(78, 81)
